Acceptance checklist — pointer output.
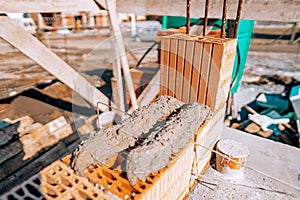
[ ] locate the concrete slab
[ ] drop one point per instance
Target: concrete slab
(273, 163)
(273, 158)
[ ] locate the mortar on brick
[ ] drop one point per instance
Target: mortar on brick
(105, 143)
(154, 152)
(147, 140)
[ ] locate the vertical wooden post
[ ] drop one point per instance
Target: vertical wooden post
(133, 25)
(111, 5)
(118, 94)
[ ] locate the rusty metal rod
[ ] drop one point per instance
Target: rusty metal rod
(188, 16)
(238, 16)
(206, 17)
(224, 17)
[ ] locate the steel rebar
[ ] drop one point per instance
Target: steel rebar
(224, 17)
(206, 17)
(188, 16)
(238, 16)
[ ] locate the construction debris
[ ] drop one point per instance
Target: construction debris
(270, 115)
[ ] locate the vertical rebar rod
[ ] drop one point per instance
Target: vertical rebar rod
(188, 16)
(206, 17)
(224, 16)
(237, 19)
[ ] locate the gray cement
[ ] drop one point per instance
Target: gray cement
(154, 153)
(147, 140)
(107, 142)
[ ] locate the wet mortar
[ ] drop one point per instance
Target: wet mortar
(147, 140)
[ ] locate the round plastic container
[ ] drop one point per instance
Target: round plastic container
(237, 152)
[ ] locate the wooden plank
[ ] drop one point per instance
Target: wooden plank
(118, 93)
(36, 6)
(206, 58)
(141, 80)
(30, 46)
(267, 10)
(10, 150)
(150, 92)
(173, 67)
(121, 53)
(189, 55)
(8, 133)
(180, 68)
(164, 65)
(196, 72)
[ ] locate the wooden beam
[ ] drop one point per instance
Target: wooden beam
(150, 92)
(111, 5)
(267, 10)
(34, 49)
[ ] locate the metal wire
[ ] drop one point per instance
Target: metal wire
(98, 112)
(206, 16)
(224, 17)
(188, 16)
(238, 16)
